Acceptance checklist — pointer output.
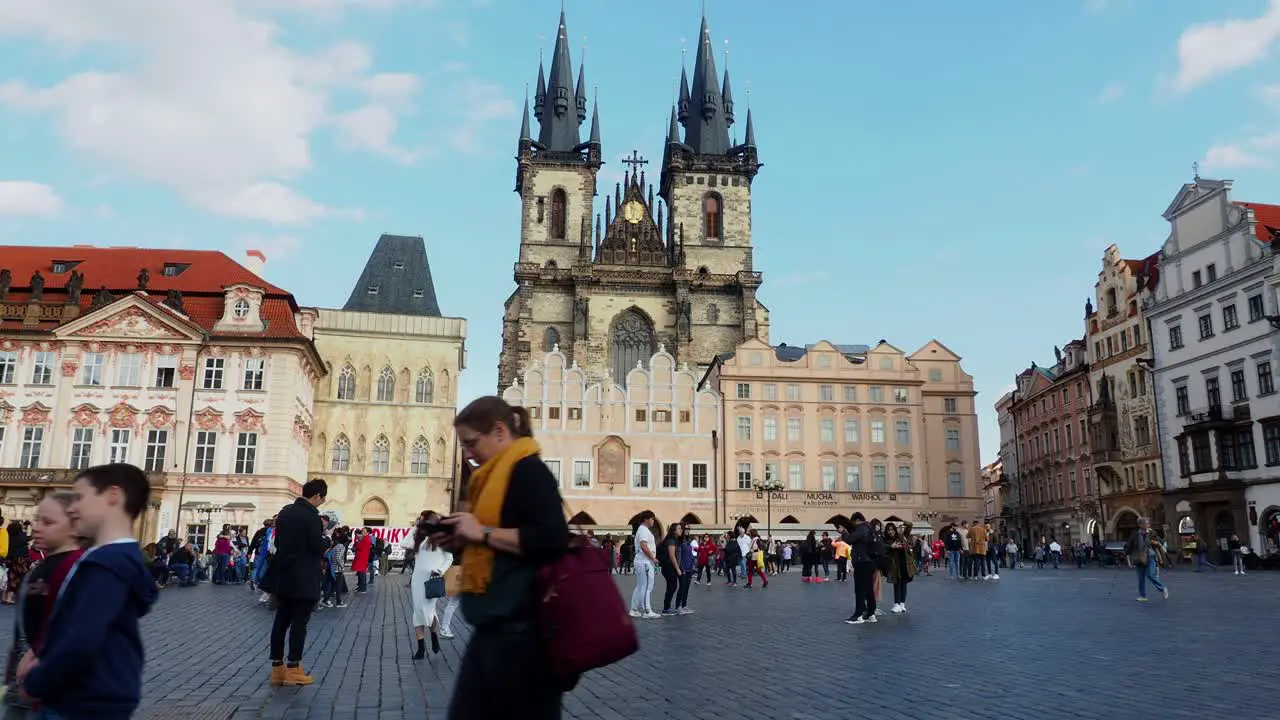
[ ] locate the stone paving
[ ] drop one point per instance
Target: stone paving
(1037, 644)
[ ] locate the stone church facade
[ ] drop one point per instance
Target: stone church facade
(666, 265)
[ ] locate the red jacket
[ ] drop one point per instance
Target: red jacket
(361, 562)
(705, 551)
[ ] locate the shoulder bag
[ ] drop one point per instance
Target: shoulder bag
(434, 587)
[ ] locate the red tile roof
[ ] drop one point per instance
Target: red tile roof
(202, 283)
(1268, 217)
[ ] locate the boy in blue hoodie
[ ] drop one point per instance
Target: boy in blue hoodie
(90, 667)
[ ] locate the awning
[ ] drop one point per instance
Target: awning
(921, 530)
(240, 506)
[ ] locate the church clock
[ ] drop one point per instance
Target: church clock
(633, 212)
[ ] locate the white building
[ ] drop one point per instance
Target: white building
(1215, 360)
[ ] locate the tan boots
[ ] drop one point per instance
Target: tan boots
(284, 675)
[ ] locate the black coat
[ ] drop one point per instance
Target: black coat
(296, 565)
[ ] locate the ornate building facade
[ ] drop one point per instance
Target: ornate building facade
(619, 450)
(670, 268)
(182, 362)
(384, 417)
(1122, 417)
(827, 430)
(1011, 502)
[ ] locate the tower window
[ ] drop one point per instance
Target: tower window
(559, 203)
(418, 293)
(373, 290)
(397, 266)
(712, 217)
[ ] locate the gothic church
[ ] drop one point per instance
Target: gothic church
(673, 271)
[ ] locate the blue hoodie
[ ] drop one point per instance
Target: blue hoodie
(91, 663)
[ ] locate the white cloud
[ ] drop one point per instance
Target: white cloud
(800, 278)
(22, 198)
(1270, 94)
(372, 127)
(1113, 92)
(1211, 49)
(105, 212)
(482, 102)
(274, 203)
(1233, 156)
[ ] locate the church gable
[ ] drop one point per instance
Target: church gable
(936, 351)
(131, 319)
(634, 236)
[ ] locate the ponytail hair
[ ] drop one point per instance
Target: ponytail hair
(482, 414)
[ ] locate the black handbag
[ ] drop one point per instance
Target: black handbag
(434, 587)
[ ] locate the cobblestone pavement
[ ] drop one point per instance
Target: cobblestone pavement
(1056, 644)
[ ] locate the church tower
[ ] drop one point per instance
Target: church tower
(669, 270)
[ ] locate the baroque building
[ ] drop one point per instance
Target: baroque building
(1214, 341)
(1122, 419)
(618, 451)
(825, 430)
(1011, 502)
(384, 417)
(669, 267)
(181, 362)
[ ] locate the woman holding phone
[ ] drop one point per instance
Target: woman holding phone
(431, 562)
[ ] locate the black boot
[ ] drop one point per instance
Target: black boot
(422, 650)
(435, 643)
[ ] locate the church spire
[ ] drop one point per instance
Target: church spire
(751, 131)
(706, 124)
(524, 124)
(595, 125)
(540, 94)
(580, 94)
(559, 111)
(727, 96)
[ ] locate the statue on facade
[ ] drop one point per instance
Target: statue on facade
(1057, 354)
(1088, 305)
(580, 315)
(6, 279)
(144, 278)
(683, 318)
(37, 286)
(174, 300)
(74, 285)
(102, 299)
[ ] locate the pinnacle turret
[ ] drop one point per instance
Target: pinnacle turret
(559, 111)
(706, 123)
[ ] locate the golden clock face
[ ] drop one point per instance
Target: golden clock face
(632, 212)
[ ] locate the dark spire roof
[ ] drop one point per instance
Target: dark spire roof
(524, 124)
(673, 132)
(396, 279)
(559, 112)
(707, 124)
(728, 98)
(684, 93)
(751, 131)
(580, 94)
(595, 124)
(540, 94)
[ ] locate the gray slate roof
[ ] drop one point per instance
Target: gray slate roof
(399, 271)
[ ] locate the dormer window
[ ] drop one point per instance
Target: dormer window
(64, 266)
(373, 290)
(418, 293)
(240, 309)
(397, 266)
(174, 269)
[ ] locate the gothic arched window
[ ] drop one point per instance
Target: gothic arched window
(347, 383)
(420, 456)
(631, 343)
(713, 314)
(387, 385)
(341, 454)
(551, 339)
(712, 217)
(381, 455)
(425, 389)
(559, 213)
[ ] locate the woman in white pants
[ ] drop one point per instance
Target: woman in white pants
(645, 563)
(429, 561)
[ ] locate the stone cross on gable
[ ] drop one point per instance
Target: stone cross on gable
(635, 161)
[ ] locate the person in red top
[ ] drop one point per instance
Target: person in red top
(706, 551)
(222, 557)
(360, 564)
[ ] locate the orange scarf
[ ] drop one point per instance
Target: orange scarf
(488, 492)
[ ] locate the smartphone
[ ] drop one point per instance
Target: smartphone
(433, 528)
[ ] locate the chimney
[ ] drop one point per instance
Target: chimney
(255, 261)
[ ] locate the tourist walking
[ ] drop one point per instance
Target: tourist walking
(427, 585)
(294, 579)
(1144, 549)
(863, 556)
(645, 563)
(732, 559)
(669, 563)
(360, 563)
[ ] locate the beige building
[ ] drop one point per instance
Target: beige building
(384, 417)
(619, 451)
(181, 362)
(838, 429)
(993, 499)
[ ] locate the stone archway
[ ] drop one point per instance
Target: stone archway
(690, 519)
(1124, 524)
(374, 512)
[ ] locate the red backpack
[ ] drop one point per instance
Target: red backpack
(582, 618)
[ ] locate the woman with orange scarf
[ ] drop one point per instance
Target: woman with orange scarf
(516, 524)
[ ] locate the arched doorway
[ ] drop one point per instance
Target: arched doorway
(691, 519)
(1126, 525)
(1224, 526)
(746, 521)
(840, 521)
(789, 520)
(582, 518)
(374, 513)
(634, 522)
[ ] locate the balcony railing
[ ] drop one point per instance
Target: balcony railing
(1111, 455)
(55, 477)
(1218, 414)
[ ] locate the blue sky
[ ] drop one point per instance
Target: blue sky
(932, 169)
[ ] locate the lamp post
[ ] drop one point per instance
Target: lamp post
(208, 510)
(768, 488)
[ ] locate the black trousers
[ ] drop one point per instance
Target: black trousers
(842, 569)
(682, 595)
(900, 592)
(864, 589)
(292, 615)
(503, 675)
(673, 585)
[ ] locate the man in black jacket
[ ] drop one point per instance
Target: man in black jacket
(295, 573)
(863, 554)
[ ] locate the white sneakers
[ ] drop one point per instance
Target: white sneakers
(899, 608)
(1241, 572)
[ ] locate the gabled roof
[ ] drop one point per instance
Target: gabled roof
(396, 280)
(1267, 227)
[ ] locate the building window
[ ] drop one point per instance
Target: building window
(640, 475)
(1266, 385)
(1239, 391)
(1182, 400)
(381, 455)
(771, 475)
(420, 458)
(1212, 392)
(1206, 326)
(81, 448)
(1229, 319)
(582, 474)
(744, 391)
(1175, 337)
(1201, 454)
(744, 428)
(157, 447)
(904, 478)
(386, 385)
(213, 368)
(877, 432)
(744, 476)
(553, 413)
(713, 317)
(1270, 443)
(955, 484)
(240, 309)
(255, 371)
(166, 371)
(8, 366)
(949, 405)
(794, 433)
(670, 476)
(770, 392)
(246, 453)
(118, 450)
(552, 465)
(559, 213)
(632, 343)
(129, 370)
(1256, 311)
(877, 394)
(341, 458)
(372, 290)
(712, 217)
(770, 429)
(903, 430)
(42, 370)
(659, 416)
(828, 477)
(698, 476)
(206, 448)
(935, 375)
(32, 444)
(347, 383)
(686, 416)
(851, 393)
(424, 388)
(886, 363)
(953, 440)
(879, 478)
(1142, 430)
(793, 393)
(827, 430)
(826, 393)
(900, 395)
(853, 478)
(1211, 272)
(91, 369)
(795, 476)
(551, 339)
(851, 435)
(1196, 280)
